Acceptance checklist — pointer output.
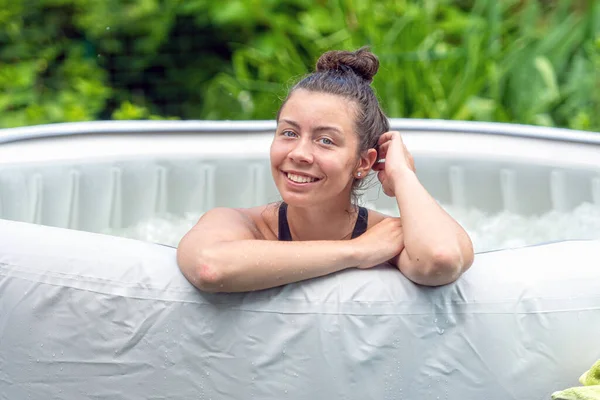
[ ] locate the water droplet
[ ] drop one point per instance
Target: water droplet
(168, 330)
(108, 28)
(53, 354)
(435, 320)
(61, 368)
(38, 360)
(42, 345)
(207, 373)
(62, 352)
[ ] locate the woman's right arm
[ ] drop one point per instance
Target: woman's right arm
(224, 252)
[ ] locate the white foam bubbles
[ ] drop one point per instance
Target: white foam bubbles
(487, 231)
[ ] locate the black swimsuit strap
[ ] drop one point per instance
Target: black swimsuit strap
(284, 228)
(284, 233)
(361, 222)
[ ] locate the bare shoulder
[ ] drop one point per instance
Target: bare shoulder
(247, 223)
(265, 218)
(226, 223)
(376, 217)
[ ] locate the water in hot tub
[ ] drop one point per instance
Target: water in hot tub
(487, 231)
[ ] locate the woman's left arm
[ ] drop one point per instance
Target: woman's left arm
(437, 250)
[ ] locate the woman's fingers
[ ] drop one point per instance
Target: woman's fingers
(385, 141)
(378, 166)
(382, 150)
(389, 136)
(381, 154)
(385, 184)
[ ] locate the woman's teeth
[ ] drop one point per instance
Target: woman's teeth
(300, 179)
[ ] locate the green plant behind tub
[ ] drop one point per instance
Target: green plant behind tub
(535, 62)
(508, 61)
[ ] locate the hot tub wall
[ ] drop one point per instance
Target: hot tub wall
(101, 176)
(84, 315)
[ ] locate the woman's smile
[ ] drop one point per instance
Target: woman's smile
(296, 179)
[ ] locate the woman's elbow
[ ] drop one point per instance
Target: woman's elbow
(200, 271)
(444, 266)
(448, 265)
(208, 278)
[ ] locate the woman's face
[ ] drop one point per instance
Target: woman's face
(314, 151)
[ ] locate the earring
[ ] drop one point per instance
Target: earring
(359, 174)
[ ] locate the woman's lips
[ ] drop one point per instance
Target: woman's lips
(299, 176)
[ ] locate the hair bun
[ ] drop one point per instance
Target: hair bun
(362, 62)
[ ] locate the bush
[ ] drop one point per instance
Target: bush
(533, 62)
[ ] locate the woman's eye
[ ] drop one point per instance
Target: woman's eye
(288, 133)
(326, 141)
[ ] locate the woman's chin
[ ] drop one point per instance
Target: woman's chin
(300, 200)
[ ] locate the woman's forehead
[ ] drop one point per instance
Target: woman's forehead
(311, 109)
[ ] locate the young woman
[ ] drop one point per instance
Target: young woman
(330, 133)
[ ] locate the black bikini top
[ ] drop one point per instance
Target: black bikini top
(284, 229)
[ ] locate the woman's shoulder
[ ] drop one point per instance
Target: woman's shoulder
(258, 222)
(264, 218)
(376, 217)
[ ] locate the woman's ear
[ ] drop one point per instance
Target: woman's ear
(367, 159)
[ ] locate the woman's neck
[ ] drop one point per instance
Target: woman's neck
(323, 222)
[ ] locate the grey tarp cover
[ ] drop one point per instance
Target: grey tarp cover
(84, 315)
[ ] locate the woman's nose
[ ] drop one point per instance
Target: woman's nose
(302, 152)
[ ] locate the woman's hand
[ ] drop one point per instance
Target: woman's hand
(381, 243)
(397, 160)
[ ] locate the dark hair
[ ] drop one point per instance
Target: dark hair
(349, 75)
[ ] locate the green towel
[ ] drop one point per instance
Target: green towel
(591, 377)
(591, 390)
(578, 393)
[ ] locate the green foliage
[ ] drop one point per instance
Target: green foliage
(508, 61)
(534, 62)
(45, 76)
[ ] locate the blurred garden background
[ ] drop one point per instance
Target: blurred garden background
(522, 61)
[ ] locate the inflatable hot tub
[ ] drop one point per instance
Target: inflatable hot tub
(84, 314)
(508, 185)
